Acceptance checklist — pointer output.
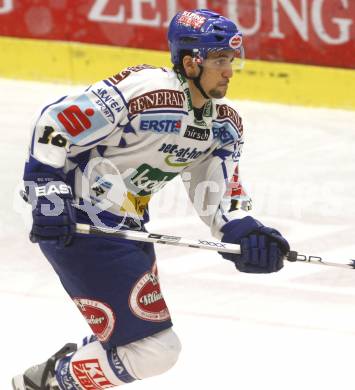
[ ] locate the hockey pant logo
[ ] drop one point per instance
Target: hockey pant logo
(98, 315)
(146, 300)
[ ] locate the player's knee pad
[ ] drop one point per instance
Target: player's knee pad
(94, 366)
(152, 355)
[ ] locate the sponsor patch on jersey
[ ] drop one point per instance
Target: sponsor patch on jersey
(107, 104)
(237, 151)
(146, 300)
(90, 375)
(170, 124)
(197, 133)
(146, 180)
(179, 157)
(101, 181)
(100, 186)
(226, 112)
(135, 204)
(239, 199)
(156, 99)
(225, 133)
(190, 19)
(98, 315)
(80, 119)
(235, 189)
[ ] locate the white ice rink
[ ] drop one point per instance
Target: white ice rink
(294, 330)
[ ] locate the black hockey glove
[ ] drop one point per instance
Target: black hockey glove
(262, 248)
(52, 210)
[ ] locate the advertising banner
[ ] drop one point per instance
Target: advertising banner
(315, 32)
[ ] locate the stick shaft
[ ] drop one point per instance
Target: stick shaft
(195, 243)
(158, 238)
(318, 260)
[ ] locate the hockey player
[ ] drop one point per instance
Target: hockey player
(108, 150)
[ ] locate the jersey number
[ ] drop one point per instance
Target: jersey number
(58, 140)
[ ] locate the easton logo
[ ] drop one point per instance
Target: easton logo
(157, 99)
(90, 374)
(98, 315)
(146, 300)
(197, 133)
(50, 189)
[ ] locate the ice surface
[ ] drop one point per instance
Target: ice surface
(293, 330)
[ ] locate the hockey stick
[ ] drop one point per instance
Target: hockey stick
(194, 243)
(157, 238)
(191, 243)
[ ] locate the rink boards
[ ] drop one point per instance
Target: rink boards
(80, 63)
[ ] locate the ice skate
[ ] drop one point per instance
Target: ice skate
(42, 376)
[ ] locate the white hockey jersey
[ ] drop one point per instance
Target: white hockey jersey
(124, 138)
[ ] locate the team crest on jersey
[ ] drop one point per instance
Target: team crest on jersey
(146, 300)
(98, 315)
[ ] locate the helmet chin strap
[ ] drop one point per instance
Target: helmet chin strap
(197, 81)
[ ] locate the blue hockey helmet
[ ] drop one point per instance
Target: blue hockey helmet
(201, 31)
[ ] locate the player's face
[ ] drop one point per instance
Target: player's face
(217, 71)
